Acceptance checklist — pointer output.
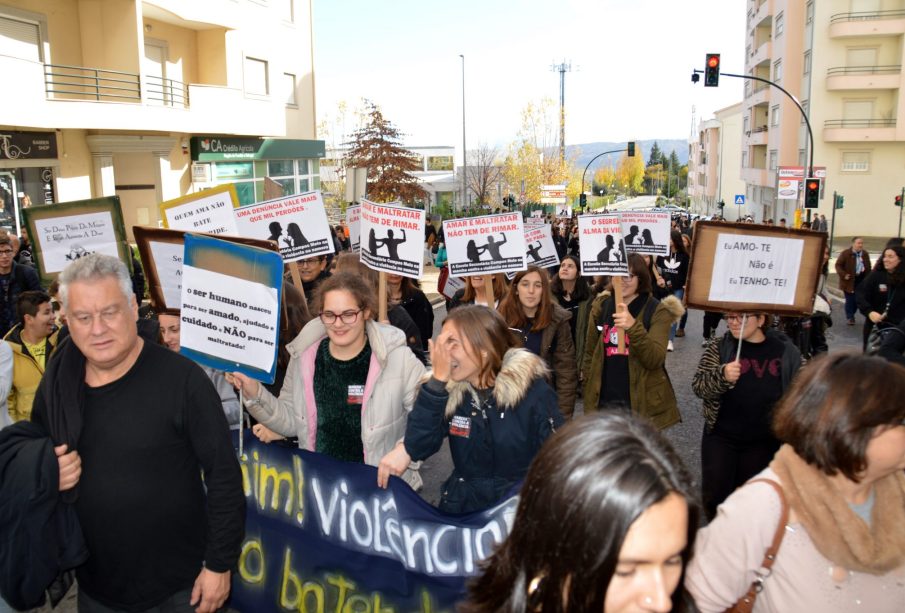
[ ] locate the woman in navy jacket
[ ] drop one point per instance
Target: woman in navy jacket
(491, 399)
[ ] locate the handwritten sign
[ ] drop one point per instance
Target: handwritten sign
(209, 211)
(646, 232)
(601, 245)
(353, 222)
(230, 321)
(540, 249)
(485, 245)
(66, 232)
(297, 224)
(168, 258)
(393, 238)
(756, 269)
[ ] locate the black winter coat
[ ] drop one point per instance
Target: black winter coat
(493, 442)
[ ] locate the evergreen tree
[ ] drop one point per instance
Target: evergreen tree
(377, 147)
(656, 156)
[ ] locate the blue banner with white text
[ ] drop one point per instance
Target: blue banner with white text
(321, 536)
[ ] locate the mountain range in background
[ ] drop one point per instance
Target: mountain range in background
(586, 151)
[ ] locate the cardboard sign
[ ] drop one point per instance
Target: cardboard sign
(353, 222)
(230, 316)
(539, 246)
(646, 233)
(741, 267)
(298, 224)
(161, 251)
(485, 245)
(209, 211)
(63, 233)
(393, 238)
(601, 246)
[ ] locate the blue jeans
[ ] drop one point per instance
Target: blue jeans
(679, 293)
(851, 306)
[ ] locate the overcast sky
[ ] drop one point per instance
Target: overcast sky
(631, 64)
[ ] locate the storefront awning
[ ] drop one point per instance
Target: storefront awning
(216, 148)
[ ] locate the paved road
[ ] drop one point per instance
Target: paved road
(680, 364)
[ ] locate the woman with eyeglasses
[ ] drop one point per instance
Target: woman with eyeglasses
(739, 391)
(531, 312)
(350, 383)
(637, 378)
(490, 399)
(840, 473)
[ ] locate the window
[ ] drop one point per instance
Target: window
(809, 11)
(286, 9)
(855, 161)
(20, 39)
(801, 160)
(773, 157)
(747, 125)
(860, 57)
(744, 159)
(257, 82)
(774, 116)
(805, 106)
(440, 162)
(777, 71)
(858, 109)
(807, 63)
(289, 85)
(778, 24)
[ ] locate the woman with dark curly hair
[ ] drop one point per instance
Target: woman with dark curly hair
(606, 522)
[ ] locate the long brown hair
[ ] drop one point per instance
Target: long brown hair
(487, 333)
(511, 308)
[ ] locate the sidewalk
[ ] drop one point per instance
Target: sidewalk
(429, 284)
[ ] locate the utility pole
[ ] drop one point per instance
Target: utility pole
(464, 151)
(562, 68)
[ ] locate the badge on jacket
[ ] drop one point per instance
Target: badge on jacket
(356, 394)
(460, 426)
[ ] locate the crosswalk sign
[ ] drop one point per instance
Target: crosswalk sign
(740, 199)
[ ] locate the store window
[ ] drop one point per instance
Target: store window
(21, 188)
(295, 176)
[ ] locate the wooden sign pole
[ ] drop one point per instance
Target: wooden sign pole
(488, 291)
(620, 333)
(382, 296)
(297, 280)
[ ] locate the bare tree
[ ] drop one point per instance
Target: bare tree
(484, 171)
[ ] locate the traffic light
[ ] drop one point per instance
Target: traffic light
(811, 193)
(898, 200)
(631, 148)
(712, 70)
(583, 200)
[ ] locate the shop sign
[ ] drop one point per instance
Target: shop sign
(28, 145)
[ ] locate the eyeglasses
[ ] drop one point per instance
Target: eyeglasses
(309, 263)
(347, 317)
(6, 252)
(734, 319)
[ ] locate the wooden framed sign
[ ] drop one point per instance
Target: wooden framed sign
(743, 267)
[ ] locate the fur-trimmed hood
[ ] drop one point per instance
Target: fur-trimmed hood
(519, 370)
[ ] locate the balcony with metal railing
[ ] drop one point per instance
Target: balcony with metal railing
(868, 23)
(864, 77)
(860, 130)
(63, 82)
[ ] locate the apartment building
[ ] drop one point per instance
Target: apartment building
(843, 60)
(714, 157)
(150, 100)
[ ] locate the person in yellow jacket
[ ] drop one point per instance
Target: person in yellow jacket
(32, 340)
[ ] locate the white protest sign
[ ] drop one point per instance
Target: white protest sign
(539, 246)
(210, 211)
(66, 239)
(298, 224)
(537, 214)
(393, 238)
(646, 232)
(600, 245)
(353, 222)
(485, 245)
(451, 285)
(168, 260)
(229, 317)
(756, 269)
(564, 211)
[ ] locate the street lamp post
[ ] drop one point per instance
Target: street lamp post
(464, 151)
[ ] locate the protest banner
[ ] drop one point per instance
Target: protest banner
(393, 238)
(564, 211)
(601, 245)
(209, 211)
(321, 536)
(537, 214)
(230, 316)
(161, 252)
(740, 267)
(501, 238)
(65, 232)
(281, 220)
(646, 232)
(353, 222)
(539, 246)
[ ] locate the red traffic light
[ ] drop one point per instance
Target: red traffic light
(813, 185)
(712, 70)
(713, 61)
